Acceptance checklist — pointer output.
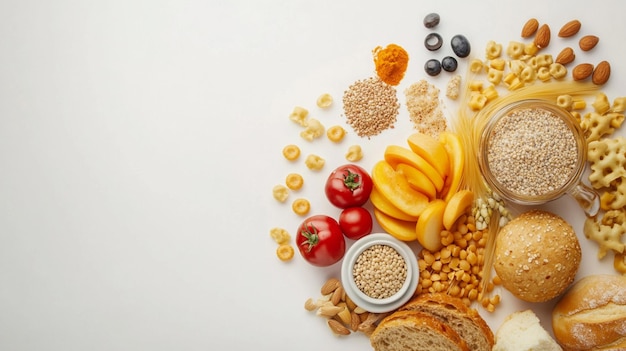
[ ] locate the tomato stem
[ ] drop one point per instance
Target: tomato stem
(351, 180)
(310, 233)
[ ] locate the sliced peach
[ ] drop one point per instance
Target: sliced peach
(395, 188)
(456, 154)
(401, 230)
(431, 150)
(430, 224)
(395, 154)
(457, 206)
(417, 180)
(383, 205)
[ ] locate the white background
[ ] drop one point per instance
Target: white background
(140, 140)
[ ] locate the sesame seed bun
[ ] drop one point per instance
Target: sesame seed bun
(537, 255)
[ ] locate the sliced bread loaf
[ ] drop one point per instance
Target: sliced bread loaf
(466, 322)
(415, 331)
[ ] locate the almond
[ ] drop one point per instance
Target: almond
(338, 328)
(601, 73)
(565, 56)
(330, 286)
(588, 42)
(569, 29)
(542, 39)
(530, 27)
(582, 71)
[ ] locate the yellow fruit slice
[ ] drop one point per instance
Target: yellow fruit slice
(430, 224)
(431, 150)
(457, 206)
(383, 205)
(456, 154)
(401, 230)
(395, 188)
(395, 154)
(417, 180)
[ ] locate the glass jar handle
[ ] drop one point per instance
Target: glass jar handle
(587, 198)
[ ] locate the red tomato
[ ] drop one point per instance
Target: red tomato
(320, 241)
(355, 222)
(348, 186)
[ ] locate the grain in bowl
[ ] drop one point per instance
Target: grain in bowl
(379, 273)
(532, 152)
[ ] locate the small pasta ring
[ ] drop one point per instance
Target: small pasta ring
(433, 41)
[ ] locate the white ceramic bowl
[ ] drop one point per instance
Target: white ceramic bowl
(383, 304)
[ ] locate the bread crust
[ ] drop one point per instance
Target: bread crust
(592, 314)
(443, 305)
(537, 256)
(415, 320)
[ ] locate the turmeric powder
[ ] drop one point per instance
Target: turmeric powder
(391, 63)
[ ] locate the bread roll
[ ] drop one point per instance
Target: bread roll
(592, 314)
(522, 331)
(470, 326)
(537, 255)
(413, 330)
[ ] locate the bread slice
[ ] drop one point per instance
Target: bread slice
(522, 331)
(466, 322)
(415, 331)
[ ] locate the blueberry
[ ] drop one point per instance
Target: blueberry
(431, 20)
(449, 64)
(460, 45)
(432, 67)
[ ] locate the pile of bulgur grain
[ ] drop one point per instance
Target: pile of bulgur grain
(370, 106)
(423, 104)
